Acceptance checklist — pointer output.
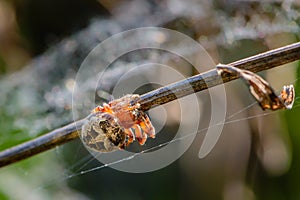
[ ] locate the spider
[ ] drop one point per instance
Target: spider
(117, 124)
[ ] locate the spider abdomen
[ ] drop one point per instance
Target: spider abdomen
(103, 133)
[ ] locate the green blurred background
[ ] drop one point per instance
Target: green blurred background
(42, 44)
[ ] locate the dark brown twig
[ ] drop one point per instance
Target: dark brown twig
(260, 62)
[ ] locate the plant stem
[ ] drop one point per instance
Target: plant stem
(260, 62)
(257, 63)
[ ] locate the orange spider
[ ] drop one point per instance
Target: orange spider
(117, 124)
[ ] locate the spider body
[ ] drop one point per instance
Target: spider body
(117, 124)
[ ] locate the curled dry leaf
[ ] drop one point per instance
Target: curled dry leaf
(261, 89)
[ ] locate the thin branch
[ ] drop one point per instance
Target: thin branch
(260, 62)
(257, 63)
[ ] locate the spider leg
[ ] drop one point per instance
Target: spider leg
(140, 136)
(147, 126)
(105, 108)
(97, 109)
(130, 135)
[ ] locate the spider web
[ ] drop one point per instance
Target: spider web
(81, 167)
(89, 166)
